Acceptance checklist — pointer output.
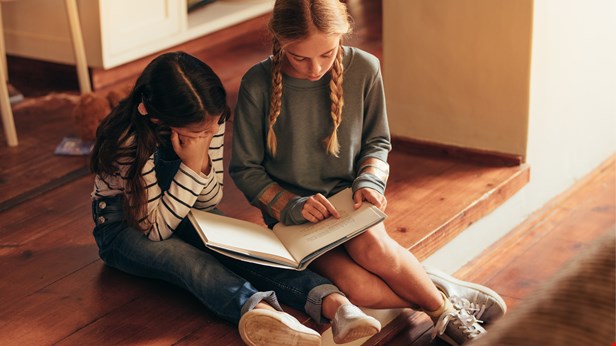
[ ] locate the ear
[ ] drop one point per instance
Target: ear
(141, 109)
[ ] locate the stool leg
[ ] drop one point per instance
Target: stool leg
(5, 103)
(80, 52)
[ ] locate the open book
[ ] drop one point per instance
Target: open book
(290, 247)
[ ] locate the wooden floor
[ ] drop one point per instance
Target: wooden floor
(55, 290)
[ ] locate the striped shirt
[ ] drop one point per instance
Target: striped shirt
(189, 189)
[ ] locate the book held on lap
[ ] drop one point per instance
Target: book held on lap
(290, 247)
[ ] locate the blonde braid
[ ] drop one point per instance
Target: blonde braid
(336, 96)
(275, 101)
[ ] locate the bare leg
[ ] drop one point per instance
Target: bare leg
(378, 253)
(331, 303)
(362, 287)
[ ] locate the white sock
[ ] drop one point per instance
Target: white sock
(350, 323)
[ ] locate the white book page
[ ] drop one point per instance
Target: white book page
(239, 235)
(302, 240)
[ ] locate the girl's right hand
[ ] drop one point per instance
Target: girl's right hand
(317, 208)
(191, 150)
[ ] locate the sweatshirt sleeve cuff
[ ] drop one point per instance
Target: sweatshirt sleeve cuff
(369, 181)
(292, 213)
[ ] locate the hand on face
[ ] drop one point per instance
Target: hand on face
(192, 144)
(318, 208)
(190, 149)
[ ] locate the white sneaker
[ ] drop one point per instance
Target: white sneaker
(260, 327)
(350, 323)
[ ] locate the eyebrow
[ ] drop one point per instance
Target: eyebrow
(300, 56)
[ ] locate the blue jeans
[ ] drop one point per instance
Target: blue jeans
(219, 282)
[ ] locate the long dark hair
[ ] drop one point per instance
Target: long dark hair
(178, 90)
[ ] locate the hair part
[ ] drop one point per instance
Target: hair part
(294, 20)
(178, 90)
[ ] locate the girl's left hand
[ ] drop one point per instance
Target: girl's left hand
(369, 195)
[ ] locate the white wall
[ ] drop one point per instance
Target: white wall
(457, 72)
(572, 115)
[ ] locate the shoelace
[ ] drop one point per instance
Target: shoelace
(475, 309)
(461, 319)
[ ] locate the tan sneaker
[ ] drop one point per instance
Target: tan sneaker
(261, 327)
(482, 302)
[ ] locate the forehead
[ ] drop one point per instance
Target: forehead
(314, 45)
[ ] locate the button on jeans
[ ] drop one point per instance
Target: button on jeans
(227, 287)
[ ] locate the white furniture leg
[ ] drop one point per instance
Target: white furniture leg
(80, 61)
(5, 103)
(78, 47)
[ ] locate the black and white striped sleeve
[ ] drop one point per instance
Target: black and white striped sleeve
(212, 193)
(166, 210)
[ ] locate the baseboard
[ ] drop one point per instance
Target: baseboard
(484, 157)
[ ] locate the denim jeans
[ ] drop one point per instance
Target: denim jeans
(227, 287)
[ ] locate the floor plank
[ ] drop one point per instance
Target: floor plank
(40, 129)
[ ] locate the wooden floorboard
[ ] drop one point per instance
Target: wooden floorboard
(40, 129)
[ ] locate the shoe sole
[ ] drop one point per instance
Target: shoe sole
(483, 289)
(274, 332)
(356, 333)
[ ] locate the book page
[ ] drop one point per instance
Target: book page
(303, 240)
(239, 236)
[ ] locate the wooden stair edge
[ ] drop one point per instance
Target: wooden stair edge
(472, 213)
(393, 328)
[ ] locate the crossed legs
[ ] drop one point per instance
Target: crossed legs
(374, 271)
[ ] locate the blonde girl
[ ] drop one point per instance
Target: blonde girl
(311, 120)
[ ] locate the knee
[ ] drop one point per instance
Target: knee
(375, 251)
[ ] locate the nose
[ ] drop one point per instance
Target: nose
(315, 68)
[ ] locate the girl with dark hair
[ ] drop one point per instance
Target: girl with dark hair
(159, 154)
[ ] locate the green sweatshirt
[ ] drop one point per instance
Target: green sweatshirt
(302, 164)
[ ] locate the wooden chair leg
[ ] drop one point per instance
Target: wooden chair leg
(5, 103)
(78, 47)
